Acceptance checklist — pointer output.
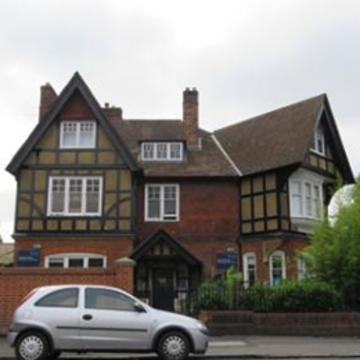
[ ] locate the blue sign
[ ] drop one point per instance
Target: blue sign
(28, 257)
(227, 260)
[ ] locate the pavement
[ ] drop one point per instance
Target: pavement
(235, 347)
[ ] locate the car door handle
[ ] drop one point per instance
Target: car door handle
(87, 317)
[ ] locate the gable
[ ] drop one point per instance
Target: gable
(332, 160)
(75, 102)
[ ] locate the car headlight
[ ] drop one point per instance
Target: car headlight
(202, 327)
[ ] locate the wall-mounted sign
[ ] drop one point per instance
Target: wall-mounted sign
(227, 260)
(28, 257)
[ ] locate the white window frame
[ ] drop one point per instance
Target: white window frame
(168, 151)
(303, 211)
(162, 202)
(67, 256)
(315, 146)
(67, 198)
(281, 254)
(246, 267)
(77, 141)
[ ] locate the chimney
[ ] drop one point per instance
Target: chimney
(47, 99)
(113, 113)
(191, 118)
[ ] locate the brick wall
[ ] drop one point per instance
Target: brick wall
(209, 218)
(112, 248)
(15, 283)
(295, 324)
(263, 247)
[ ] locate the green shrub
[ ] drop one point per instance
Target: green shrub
(288, 296)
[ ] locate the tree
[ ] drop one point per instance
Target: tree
(334, 252)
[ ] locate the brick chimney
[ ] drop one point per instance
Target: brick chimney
(47, 99)
(191, 118)
(113, 112)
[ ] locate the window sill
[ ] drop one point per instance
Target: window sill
(161, 221)
(318, 152)
(74, 215)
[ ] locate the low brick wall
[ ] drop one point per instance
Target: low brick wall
(297, 324)
(15, 283)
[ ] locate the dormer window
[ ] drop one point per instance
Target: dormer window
(318, 144)
(162, 151)
(77, 134)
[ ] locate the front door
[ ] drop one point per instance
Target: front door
(163, 289)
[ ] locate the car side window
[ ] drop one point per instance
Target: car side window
(67, 298)
(107, 300)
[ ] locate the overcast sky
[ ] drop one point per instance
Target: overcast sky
(245, 58)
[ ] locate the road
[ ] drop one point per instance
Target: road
(235, 347)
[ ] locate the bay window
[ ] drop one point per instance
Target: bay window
(74, 196)
(305, 198)
(77, 134)
(161, 202)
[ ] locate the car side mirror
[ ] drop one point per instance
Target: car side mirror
(139, 308)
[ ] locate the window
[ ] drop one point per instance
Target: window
(249, 269)
(80, 196)
(318, 144)
(305, 199)
(162, 151)
(301, 268)
(103, 299)
(277, 267)
(77, 134)
(73, 260)
(161, 202)
(61, 298)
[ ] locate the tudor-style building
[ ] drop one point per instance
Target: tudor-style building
(93, 187)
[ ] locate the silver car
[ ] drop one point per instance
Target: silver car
(86, 318)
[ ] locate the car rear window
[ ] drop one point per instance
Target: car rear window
(67, 298)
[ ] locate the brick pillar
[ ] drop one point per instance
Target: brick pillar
(124, 274)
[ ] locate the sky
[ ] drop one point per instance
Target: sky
(244, 57)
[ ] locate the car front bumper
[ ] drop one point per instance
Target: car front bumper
(11, 337)
(200, 341)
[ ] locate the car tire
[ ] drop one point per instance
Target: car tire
(32, 345)
(173, 345)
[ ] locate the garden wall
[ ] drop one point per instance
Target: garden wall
(297, 324)
(15, 283)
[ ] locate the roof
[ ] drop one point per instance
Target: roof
(209, 161)
(279, 138)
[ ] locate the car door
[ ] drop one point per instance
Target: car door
(59, 312)
(109, 321)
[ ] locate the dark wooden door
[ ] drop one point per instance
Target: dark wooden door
(163, 289)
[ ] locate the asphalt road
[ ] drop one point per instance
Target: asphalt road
(235, 347)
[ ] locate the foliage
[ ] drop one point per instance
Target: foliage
(334, 253)
(288, 296)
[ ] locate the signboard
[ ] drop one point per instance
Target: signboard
(28, 257)
(227, 260)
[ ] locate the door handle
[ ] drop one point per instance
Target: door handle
(87, 317)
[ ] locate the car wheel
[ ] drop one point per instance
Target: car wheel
(173, 345)
(32, 346)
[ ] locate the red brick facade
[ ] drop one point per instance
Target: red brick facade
(208, 223)
(263, 247)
